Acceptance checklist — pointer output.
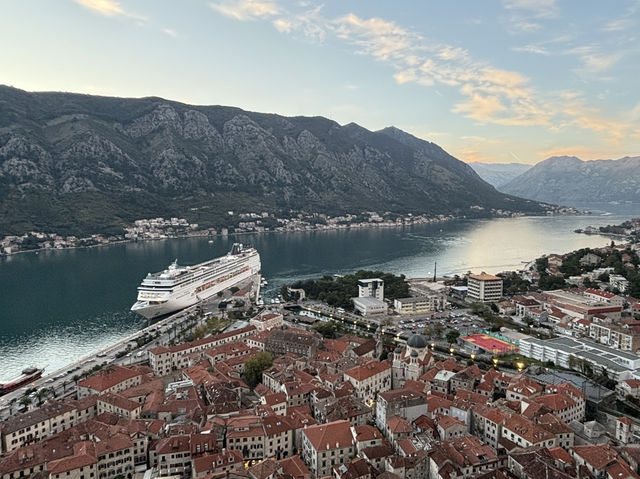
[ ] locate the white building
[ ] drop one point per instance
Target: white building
(485, 288)
(619, 364)
(368, 306)
(371, 288)
(420, 304)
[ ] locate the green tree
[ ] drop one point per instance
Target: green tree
(328, 329)
(284, 292)
(24, 401)
(255, 365)
(452, 336)
(42, 395)
(480, 309)
(438, 329)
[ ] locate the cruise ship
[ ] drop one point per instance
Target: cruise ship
(179, 287)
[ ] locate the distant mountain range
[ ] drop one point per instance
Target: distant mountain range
(570, 181)
(498, 174)
(81, 164)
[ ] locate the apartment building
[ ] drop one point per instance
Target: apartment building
(370, 379)
(164, 359)
(111, 380)
(325, 445)
(524, 433)
(45, 421)
(371, 288)
(420, 304)
(484, 288)
(267, 321)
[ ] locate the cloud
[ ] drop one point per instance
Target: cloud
(486, 94)
(532, 49)
(170, 32)
(592, 59)
(535, 8)
(574, 107)
(246, 9)
(108, 8)
(526, 16)
(619, 25)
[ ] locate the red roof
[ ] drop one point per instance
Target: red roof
(372, 368)
(332, 435)
(598, 292)
(108, 378)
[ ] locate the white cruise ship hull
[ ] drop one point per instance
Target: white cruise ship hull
(182, 297)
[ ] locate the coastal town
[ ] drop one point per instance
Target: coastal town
(237, 223)
(528, 374)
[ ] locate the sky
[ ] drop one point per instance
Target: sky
(497, 81)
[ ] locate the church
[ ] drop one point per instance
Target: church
(412, 361)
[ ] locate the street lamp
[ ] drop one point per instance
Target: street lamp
(451, 350)
(433, 346)
(495, 362)
(473, 357)
(520, 366)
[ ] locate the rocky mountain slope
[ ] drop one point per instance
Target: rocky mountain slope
(569, 180)
(498, 174)
(78, 163)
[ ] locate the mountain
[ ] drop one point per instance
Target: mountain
(498, 174)
(77, 164)
(569, 180)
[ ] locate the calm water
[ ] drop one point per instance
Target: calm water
(58, 306)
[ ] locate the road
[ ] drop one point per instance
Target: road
(62, 381)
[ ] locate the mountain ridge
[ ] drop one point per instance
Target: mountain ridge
(498, 174)
(570, 180)
(82, 163)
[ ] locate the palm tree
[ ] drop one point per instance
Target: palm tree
(42, 395)
(24, 401)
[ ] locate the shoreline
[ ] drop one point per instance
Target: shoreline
(314, 228)
(441, 274)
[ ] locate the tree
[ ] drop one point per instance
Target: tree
(452, 336)
(386, 321)
(24, 401)
(255, 365)
(284, 292)
(573, 362)
(42, 395)
(480, 308)
(329, 329)
(438, 329)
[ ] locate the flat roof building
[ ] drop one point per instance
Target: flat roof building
(368, 306)
(484, 288)
(371, 288)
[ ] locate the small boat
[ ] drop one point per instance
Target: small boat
(210, 241)
(28, 376)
